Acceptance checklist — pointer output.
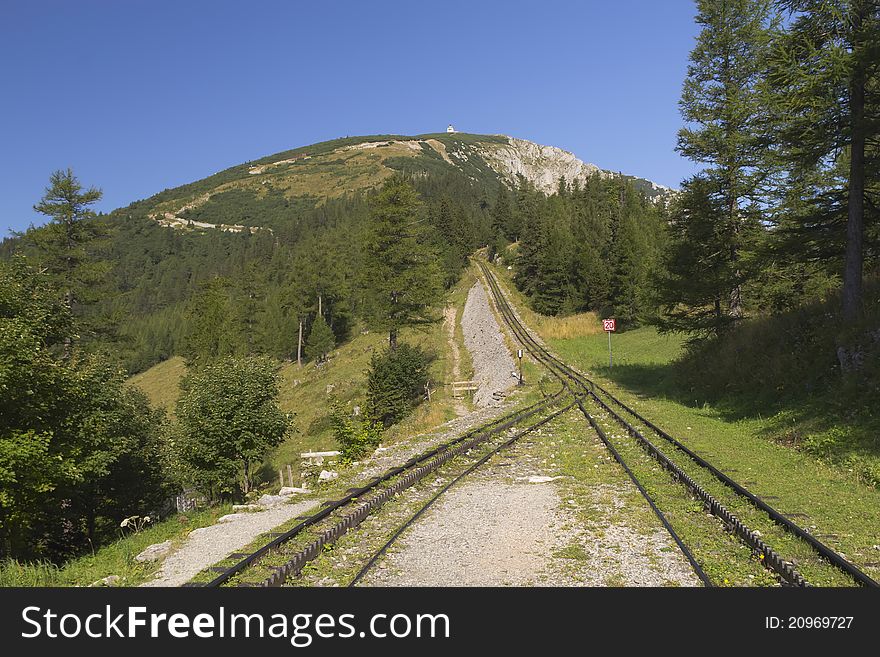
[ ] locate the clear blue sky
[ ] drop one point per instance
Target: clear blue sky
(137, 96)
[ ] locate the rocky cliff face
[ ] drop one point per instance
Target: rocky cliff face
(542, 165)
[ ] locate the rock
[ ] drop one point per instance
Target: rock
(327, 475)
(229, 517)
(271, 500)
(200, 530)
(330, 388)
(541, 479)
(110, 580)
(356, 411)
(290, 490)
(154, 552)
(246, 507)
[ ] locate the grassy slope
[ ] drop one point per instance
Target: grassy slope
(114, 559)
(836, 500)
(309, 391)
(309, 399)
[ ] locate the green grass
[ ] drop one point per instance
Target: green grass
(308, 391)
(838, 503)
(761, 441)
(117, 558)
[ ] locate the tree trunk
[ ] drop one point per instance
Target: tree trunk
(299, 345)
(319, 305)
(392, 339)
(852, 268)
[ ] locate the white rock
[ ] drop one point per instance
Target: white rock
(229, 517)
(271, 500)
(246, 507)
(327, 475)
(110, 580)
(290, 490)
(154, 552)
(541, 479)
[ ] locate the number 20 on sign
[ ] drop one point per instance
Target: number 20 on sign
(609, 326)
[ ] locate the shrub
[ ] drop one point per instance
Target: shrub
(396, 383)
(356, 438)
(228, 420)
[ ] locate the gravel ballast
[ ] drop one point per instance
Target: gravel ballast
(493, 363)
(208, 545)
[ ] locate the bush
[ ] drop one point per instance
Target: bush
(356, 438)
(396, 383)
(228, 420)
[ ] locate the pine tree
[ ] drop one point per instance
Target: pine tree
(62, 247)
(693, 288)
(722, 103)
(826, 75)
(401, 275)
(320, 341)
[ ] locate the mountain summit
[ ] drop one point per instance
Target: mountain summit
(312, 174)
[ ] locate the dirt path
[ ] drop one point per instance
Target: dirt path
(208, 545)
(450, 314)
(509, 525)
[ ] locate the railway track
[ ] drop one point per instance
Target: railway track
(636, 426)
(337, 517)
(285, 555)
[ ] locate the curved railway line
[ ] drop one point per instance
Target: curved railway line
(288, 552)
(345, 514)
(578, 383)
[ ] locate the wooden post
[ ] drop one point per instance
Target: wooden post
(299, 345)
(290, 475)
(281, 477)
(319, 305)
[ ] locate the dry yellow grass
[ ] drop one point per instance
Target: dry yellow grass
(549, 327)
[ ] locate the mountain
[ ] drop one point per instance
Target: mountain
(252, 195)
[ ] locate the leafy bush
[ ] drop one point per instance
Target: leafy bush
(396, 383)
(228, 419)
(356, 437)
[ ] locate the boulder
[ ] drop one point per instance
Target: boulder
(154, 552)
(290, 490)
(271, 500)
(327, 475)
(110, 580)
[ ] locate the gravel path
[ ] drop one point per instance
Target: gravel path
(208, 545)
(493, 364)
(483, 534)
(500, 529)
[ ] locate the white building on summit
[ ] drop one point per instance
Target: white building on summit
(449, 128)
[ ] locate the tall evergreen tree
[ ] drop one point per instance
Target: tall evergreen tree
(826, 75)
(400, 270)
(722, 104)
(62, 247)
(320, 341)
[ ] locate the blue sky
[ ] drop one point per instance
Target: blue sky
(138, 96)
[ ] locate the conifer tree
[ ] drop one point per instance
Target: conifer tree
(62, 247)
(826, 79)
(401, 275)
(722, 104)
(320, 341)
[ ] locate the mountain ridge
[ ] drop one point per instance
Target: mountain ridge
(311, 174)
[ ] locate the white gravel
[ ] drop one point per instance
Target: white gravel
(482, 534)
(208, 545)
(493, 364)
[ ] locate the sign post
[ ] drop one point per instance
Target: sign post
(609, 326)
(519, 355)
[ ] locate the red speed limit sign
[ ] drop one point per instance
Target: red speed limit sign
(609, 324)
